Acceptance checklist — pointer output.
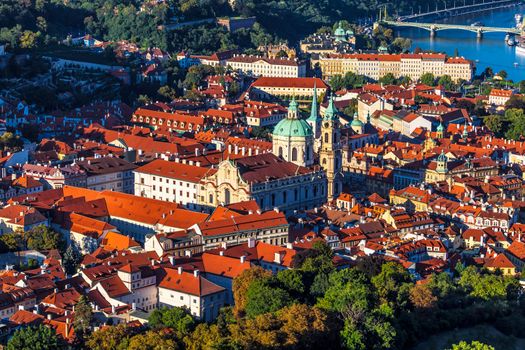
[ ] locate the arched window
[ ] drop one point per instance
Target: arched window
(273, 199)
(294, 154)
(227, 196)
(324, 161)
(211, 198)
(285, 195)
(326, 136)
(280, 152)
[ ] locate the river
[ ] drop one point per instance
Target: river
(490, 51)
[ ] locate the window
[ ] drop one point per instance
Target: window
(326, 138)
(294, 154)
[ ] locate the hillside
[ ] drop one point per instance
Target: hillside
(31, 23)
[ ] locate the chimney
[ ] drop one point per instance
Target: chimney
(196, 273)
(221, 253)
(113, 309)
(179, 270)
(243, 259)
(289, 245)
(251, 242)
(278, 258)
(49, 317)
(21, 307)
(171, 258)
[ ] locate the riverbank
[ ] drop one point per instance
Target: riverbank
(490, 51)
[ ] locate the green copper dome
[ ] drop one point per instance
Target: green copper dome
(440, 128)
(442, 157)
(292, 128)
(356, 121)
(340, 33)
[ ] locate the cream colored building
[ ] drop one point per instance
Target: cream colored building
(268, 67)
(413, 66)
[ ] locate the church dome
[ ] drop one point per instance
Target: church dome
(356, 121)
(290, 127)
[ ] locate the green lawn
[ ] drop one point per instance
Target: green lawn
(483, 333)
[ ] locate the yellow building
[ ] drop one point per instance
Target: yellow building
(412, 198)
(413, 66)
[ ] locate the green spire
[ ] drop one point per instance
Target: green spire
(440, 127)
(314, 116)
(331, 110)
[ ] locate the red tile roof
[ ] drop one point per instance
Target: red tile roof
(300, 83)
(173, 170)
(247, 222)
(188, 283)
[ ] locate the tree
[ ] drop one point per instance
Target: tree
(296, 326)
(428, 79)
(421, 297)
(109, 338)
(34, 338)
(152, 340)
(389, 281)
(72, 259)
(337, 82)
(494, 123)
(28, 39)
(205, 336)
(522, 86)
(43, 238)
(446, 81)
(388, 79)
(488, 73)
(515, 101)
(401, 44)
(175, 318)
(83, 317)
(516, 117)
(475, 345)
(167, 93)
(263, 296)
(292, 281)
(466, 104)
(241, 284)
(503, 74)
(11, 242)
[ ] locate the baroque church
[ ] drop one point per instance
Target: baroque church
(294, 139)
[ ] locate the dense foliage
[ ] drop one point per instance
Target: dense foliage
(375, 305)
(33, 23)
(31, 338)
